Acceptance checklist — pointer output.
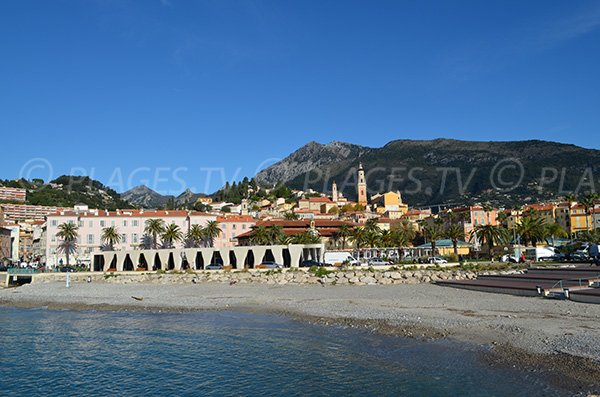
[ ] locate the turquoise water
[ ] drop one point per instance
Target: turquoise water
(60, 353)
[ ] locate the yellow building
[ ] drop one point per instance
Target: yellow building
(390, 203)
(573, 218)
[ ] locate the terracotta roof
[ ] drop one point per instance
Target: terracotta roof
(235, 218)
(320, 200)
(130, 213)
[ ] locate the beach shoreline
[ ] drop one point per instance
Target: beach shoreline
(557, 338)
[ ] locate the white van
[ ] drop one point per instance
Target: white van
(337, 258)
(539, 253)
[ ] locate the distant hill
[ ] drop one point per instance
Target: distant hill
(67, 191)
(429, 172)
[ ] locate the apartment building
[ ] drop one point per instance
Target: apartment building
(130, 224)
(13, 194)
(25, 212)
(231, 227)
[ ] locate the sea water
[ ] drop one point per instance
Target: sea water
(102, 353)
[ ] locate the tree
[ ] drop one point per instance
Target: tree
(171, 235)
(372, 233)
(67, 233)
(260, 236)
(434, 232)
(490, 235)
(532, 229)
(455, 233)
(110, 237)
(343, 233)
(154, 228)
(194, 236)
(588, 201)
(306, 237)
(290, 216)
(358, 237)
(212, 230)
(554, 230)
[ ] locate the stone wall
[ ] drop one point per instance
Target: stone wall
(279, 277)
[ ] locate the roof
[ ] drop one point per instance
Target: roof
(129, 213)
(236, 218)
(320, 200)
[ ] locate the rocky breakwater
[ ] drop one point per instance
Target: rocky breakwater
(321, 276)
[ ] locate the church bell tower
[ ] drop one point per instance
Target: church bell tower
(361, 186)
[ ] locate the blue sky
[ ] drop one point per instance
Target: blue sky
(180, 94)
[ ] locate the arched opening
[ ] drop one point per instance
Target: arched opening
(249, 260)
(157, 262)
(232, 259)
(113, 264)
(170, 262)
(199, 261)
(142, 263)
(216, 258)
(98, 263)
(287, 258)
(184, 262)
(268, 257)
(127, 264)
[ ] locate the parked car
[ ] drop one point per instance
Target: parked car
(437, 260)
(66, 269)
(269, 265)
(214, 266)
(311, 263)
(378, 262)
(509, 259)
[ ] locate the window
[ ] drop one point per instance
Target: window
(134, 238)
(135, 222)
(91, 223)
(233, 226)
(124, 238)
(244, 226)
(112, 223)
(102, 223)
(90, 239)
(54, 222)
(53, 239)
(80, 223)
(125, 223)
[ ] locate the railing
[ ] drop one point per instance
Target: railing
(579, 281)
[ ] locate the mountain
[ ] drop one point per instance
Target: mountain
(69, 190)
(309, 157)
(144, 197)
(443, 171)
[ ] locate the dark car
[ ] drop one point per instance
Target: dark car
(311, 263)
(214, 266)
(269, 265)
(66, 269)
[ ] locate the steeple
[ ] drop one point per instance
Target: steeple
(361, 186)
(334, 192)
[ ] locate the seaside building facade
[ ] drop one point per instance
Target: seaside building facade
(13, 194)
(130, 224)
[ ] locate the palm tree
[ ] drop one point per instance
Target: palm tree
(212, 230)
(434, 232)
(372, 232)
(532, 229)
(554, 230)
(110, 236)
(171, 234)
(154, 228)
(487, 208)
(490, 235)
(290, 216)
(455, 233)
(194, 236)
(306, 237)
(343, 233)
(260, 236)
(276, 235)
(67, 233)
(358, 237)
(588, 201)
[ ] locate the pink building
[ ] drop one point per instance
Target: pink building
(231, 227)
(130, 224)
